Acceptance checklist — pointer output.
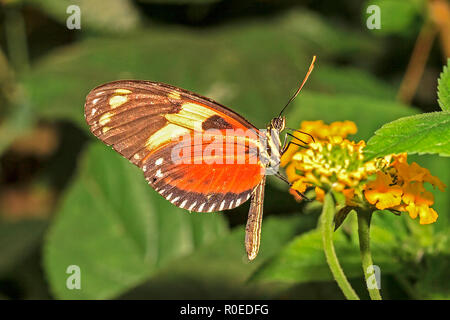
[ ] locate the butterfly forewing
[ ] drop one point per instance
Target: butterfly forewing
(145, 122)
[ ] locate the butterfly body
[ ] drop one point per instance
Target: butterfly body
(198, 154)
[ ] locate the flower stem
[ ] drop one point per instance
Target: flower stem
(364, 217)
(326, 225)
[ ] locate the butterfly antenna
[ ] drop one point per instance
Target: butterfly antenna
(311, 67)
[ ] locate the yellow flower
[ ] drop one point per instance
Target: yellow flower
(426, 214)
(414, 172)
(382, 193)
(321, 131)
(320, 194)
(401, 188)
(418, 202)
(333, 162)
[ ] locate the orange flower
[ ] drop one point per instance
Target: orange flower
(426, 214)
(350, 197)
(382, 193)
(414, 172)
(418, 202)
(334, 163)
(401, 189)
(320, 194)
(321, 131)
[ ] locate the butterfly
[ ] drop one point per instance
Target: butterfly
(195, 152)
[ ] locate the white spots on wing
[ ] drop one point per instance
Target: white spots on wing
(222, 205)
(192, 206)
(159, 161)
(95, 101)
(144, 168)
(159, 174)
(169, 196)
(175, 200)
(212, 207)
(136, 156)
(100, 93)
(183, 204)
(231, 204)
(201, 207)
(238, 202)
(93, 111)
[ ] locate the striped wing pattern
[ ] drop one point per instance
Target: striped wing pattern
(142, 120)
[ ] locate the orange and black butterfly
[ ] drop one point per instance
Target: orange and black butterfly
(198, 154)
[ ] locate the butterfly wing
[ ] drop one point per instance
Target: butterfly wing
(175, 137)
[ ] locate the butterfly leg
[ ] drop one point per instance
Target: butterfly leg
(278, 175)
(287, 144)
(254, 221)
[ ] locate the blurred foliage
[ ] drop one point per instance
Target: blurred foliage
(399, 17)
(249, 55)
(113, 16)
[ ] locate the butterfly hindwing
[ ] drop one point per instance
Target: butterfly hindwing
(144, 121)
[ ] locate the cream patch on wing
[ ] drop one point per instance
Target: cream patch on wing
(164, 135)
(105, 118)
(122, 91)
(174, 95)
(191, 116)
(116, 101)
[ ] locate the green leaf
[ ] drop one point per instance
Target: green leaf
(444, 88)
(17, 240)
(117, 229)
(367, 112)
(423, 133)
(303, 259)
(220, 270)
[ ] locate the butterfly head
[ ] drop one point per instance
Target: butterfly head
(278, 123)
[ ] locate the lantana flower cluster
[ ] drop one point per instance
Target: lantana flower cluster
(332, 162)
